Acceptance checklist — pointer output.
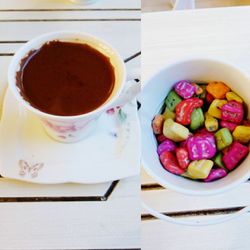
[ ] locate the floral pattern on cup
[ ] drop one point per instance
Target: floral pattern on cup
(31, 170)
(61, 128)
(65, 131)
(112, 111)
(118, 127)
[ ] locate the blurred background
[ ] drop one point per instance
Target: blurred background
(161, 5)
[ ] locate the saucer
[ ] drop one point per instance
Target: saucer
(27, 153)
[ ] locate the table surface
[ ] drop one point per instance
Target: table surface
(163, 5)
(168, 36)
(69, 216)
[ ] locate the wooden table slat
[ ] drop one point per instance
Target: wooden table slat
(110, 31)
(225, 236)
(67, 4)
(69, 15)
(70, 225)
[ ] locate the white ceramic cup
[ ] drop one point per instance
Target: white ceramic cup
(152, 97)
(74, 128)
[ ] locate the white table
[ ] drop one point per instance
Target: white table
(168, 36)
(69, 216)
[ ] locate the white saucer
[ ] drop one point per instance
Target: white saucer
(27, 153)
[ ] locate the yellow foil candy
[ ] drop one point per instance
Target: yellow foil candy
(168, 114)
(198, 90)
(214, 108)
(211, 123)
(231, 96)
(242, 134)
(175, 131)
(199, 169)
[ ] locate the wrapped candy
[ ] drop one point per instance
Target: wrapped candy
(170, 163)
(185, 108)
(161, 138)
(197, 119)
(168, 114)
(172, 100)
(218, 160)
(157, 124)
(236, 153)
(246, 123)
(211, 123)
(216, 174)
(182, 157)
(166, 145)
(198, 89)
(185, 89)
(223, 138)
(175, 131)
(209, 98)
(199, 169)
(229, 125)
(218, 89)
(242, 134)
(231, 96)
(215, 108)
(203, 94)
(232, 112)
(201, 146)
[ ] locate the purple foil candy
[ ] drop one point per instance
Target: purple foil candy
(201, 146)
(166, 145)
(216, 174)
(185, 89)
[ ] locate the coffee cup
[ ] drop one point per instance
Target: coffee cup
(73, 128)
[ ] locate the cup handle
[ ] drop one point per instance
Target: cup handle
(131, 88)
(198, 222)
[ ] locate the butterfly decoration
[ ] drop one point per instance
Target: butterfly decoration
(26, 169)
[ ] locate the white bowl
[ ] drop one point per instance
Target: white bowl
(152, 97)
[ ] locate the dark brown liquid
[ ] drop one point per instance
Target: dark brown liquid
(64, 78)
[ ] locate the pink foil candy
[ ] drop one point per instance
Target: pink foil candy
(234, 155)
(185, 89)
(232, 112)
(216, 174)
(246, 123)
(166, 145)
(201, 146)
(230, 125)
(204, 131)
(161, 138)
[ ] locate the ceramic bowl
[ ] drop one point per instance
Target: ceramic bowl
(152, 98)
